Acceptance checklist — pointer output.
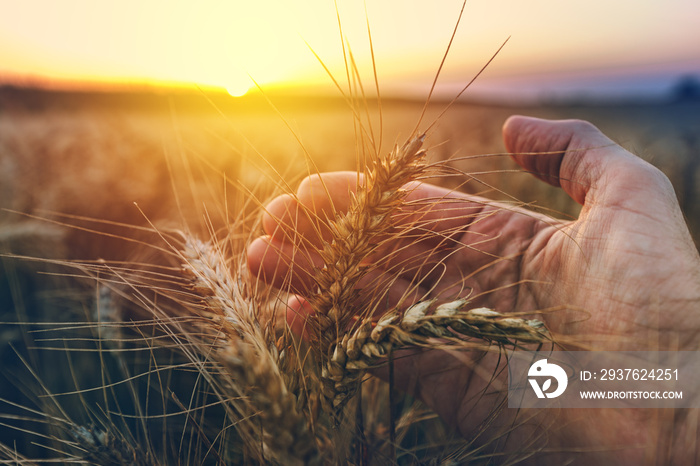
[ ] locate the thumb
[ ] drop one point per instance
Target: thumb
(577, 157)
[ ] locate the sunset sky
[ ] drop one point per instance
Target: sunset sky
(223, 42)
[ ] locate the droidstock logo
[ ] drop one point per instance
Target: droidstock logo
(543, 369)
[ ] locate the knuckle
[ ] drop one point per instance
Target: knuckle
(655, 177)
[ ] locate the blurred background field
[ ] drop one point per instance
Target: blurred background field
(96, 154)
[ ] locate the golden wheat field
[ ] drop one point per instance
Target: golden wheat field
(131, 331)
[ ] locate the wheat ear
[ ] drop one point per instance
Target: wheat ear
(356, 234)
(367, 345)
(250, 361)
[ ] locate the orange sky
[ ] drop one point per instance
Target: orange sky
(222, 42)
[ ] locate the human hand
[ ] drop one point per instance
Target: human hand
(608, 279)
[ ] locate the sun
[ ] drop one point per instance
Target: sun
(237, 83)
(237, 89)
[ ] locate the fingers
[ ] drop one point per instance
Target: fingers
(304, 217)
(576, 156)
(431, 223)
(441, 236)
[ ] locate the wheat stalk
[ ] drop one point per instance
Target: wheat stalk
(368, 345)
